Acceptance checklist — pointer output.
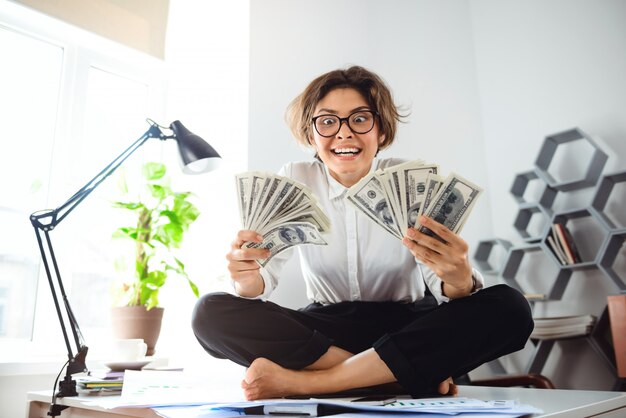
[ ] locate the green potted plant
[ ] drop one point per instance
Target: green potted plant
(163, 216)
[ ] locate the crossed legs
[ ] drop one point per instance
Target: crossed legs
(266, 379)
(306, 352)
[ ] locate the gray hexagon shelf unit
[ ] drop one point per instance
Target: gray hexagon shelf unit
(527, 214)
(484, 251)
(603, 196)
(521, 183)
(606, 255)
(514, 261)
(609, 254)
(587, 260)
(547, 152)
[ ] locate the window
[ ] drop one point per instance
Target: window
(30, 84)
(70, 103)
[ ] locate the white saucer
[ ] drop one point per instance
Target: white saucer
(127, 364)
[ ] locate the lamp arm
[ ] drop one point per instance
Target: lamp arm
(58, 214)
(45, 221)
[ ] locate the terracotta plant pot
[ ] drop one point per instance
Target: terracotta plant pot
(137, 322)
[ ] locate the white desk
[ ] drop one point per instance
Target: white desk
(555, 403)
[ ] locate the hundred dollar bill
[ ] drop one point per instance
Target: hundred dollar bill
(271, 205)
(277, 194)
(452, 204)
(393, 197)
(257, 182)
(433, 184)
(414, 188)
(396, 196)
(267, 186)
(285, 236)
(369, 197)
(243, 182)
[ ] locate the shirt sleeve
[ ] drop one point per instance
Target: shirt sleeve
(434, 282)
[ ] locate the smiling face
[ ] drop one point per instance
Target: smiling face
(347, 155)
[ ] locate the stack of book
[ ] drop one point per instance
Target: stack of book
(562, 327)
(106, 382)
(561, 243)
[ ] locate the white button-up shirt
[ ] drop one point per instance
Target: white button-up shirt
(362, 262)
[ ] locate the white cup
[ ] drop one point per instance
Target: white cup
(128, 349)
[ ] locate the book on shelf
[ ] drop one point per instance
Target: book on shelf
(561, 242)
(558, 252)
(533, 297)
(566, 241)
(563, 326)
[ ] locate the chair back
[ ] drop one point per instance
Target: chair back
(617, 318)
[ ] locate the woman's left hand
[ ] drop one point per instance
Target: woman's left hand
(448, 259)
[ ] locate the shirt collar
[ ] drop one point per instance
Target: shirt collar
(336, 189)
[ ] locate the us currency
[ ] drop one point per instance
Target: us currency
(397, 188)
(391, 188)
(369, 196)
(452, 204)
(285, 236)
(433, 184)
(395, 197)
(414, 188)
(268, 202)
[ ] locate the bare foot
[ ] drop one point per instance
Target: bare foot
(448, 387)
(265, 379)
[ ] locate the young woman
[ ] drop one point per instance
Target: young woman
(382, 310)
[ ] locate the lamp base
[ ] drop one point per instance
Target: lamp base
(67, 387)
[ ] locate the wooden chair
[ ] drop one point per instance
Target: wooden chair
(617, 319)
(609, 338)
(526, 380)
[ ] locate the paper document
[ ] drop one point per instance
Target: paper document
(321, 407)
(170, 388)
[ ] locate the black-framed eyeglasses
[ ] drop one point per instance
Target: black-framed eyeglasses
(359, 122)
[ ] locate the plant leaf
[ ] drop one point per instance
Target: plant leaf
(130, 205)
(162, 220)
(154, 171)
(157, 191)
(170, 234)
(182, 272)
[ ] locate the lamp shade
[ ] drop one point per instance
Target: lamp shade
(197, 156)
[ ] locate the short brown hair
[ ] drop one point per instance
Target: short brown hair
(371, 86)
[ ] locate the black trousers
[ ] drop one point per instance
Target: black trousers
(422, 343)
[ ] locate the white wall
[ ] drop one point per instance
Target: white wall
(544, 67)
(423, 49)
(207, 58)
(486, 81)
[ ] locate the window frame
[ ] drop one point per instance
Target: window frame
(82, 50)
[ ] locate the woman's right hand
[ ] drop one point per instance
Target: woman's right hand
(244, 270)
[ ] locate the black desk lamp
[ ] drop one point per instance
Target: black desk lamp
(197, 156)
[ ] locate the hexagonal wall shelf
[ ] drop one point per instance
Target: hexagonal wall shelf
(514, 261)
(546, 155)
(604, 194)
(521, 183)
(599, 236)
(535, 217)
(485, 250)
(592, 236)
(609, 255)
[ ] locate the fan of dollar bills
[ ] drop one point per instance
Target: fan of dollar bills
(282, 210)
(395, 197)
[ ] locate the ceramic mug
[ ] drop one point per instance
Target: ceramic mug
(128, 349)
